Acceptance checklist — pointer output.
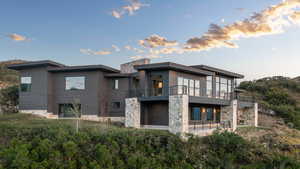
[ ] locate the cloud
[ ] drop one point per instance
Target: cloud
(270, 21)
(91, 52)
(128, 47)
(134, 5)
(150, 56)
(156, 41)
(167, 50)
(116, 48)
(17, 37)
(295, 17)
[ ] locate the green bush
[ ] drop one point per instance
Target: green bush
(60, 146)
(9, 99)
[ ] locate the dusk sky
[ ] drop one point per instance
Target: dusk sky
(247, 36)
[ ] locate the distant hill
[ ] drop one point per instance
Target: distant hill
(281, 94)
(297, 79)
(8, 77)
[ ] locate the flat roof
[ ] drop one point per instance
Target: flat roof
(27, 65)
(173, 66)
(84, 68)
(219, 71)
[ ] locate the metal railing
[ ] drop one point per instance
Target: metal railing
(206, 125)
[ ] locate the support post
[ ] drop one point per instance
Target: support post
(132, 113)
(178, 114)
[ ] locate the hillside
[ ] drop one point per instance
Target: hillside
(280, 94)
(8, 77)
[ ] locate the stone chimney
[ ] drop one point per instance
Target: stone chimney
(128, 67)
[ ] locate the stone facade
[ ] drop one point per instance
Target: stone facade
(129, 67)
(247, 115)
(178, 114)
(229, 114)
(132, 113)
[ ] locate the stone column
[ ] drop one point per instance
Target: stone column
(179, 114)
(132, 113)
(229, 113)
(234, 105)
(255, 114)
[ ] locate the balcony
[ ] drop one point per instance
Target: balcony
(196, 95)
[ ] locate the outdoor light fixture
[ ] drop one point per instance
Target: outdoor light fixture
(160, 84)
(203, 109)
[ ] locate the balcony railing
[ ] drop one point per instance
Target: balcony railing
(184, 90)
(205, 125)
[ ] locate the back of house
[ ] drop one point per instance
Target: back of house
(160, 95)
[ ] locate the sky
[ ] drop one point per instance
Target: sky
(257, 38)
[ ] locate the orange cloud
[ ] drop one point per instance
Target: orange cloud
(17, 37)
(156, 41)
(269, 21)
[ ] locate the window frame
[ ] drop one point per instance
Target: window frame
(84, 83)
(30, 84)
(116, 83)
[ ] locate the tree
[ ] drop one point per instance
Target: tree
(76, 110)
(9, 99)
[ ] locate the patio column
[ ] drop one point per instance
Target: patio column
(255, 114)
(229, 113)
(132, 113)
(178, 114)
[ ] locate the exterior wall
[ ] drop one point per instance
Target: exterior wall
(178, 114)
(132, 113)
(117, 95)
(37, 98)
(165, 78)
(155, 113)
(89, 98)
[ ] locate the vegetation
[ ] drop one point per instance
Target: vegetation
(8, 77)
(30, 142)
(280, 94)
(9, 99)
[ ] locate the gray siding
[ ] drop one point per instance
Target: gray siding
(89, 98)
(37, 98)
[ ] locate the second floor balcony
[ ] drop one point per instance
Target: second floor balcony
(196, 95)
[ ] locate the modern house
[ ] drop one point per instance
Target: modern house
(182, 99)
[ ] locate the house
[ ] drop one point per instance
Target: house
(182, 99)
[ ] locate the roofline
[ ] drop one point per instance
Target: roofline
(84, 68)
(27, 65)
(173, 66)
(220, 71)
(120, 75)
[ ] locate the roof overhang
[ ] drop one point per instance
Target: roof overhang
(84, 68)
(219, 71)
(28, 65)
(173, 66)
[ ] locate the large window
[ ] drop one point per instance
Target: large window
(197, 88)
(224, 89)
(196, 113)
(192, 86)
(217, 87)
(26, 84)
(209, 86)
(75, 83)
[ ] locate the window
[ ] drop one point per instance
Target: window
(26, 84)
(116, 84)
(224, 92)
(209, 114)
(116, 105)
(209, 86)
(196, 113)
(68, 110)
(197, 88)
(191, 87)
(180, 85)
(217, 87)
(75, 83)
